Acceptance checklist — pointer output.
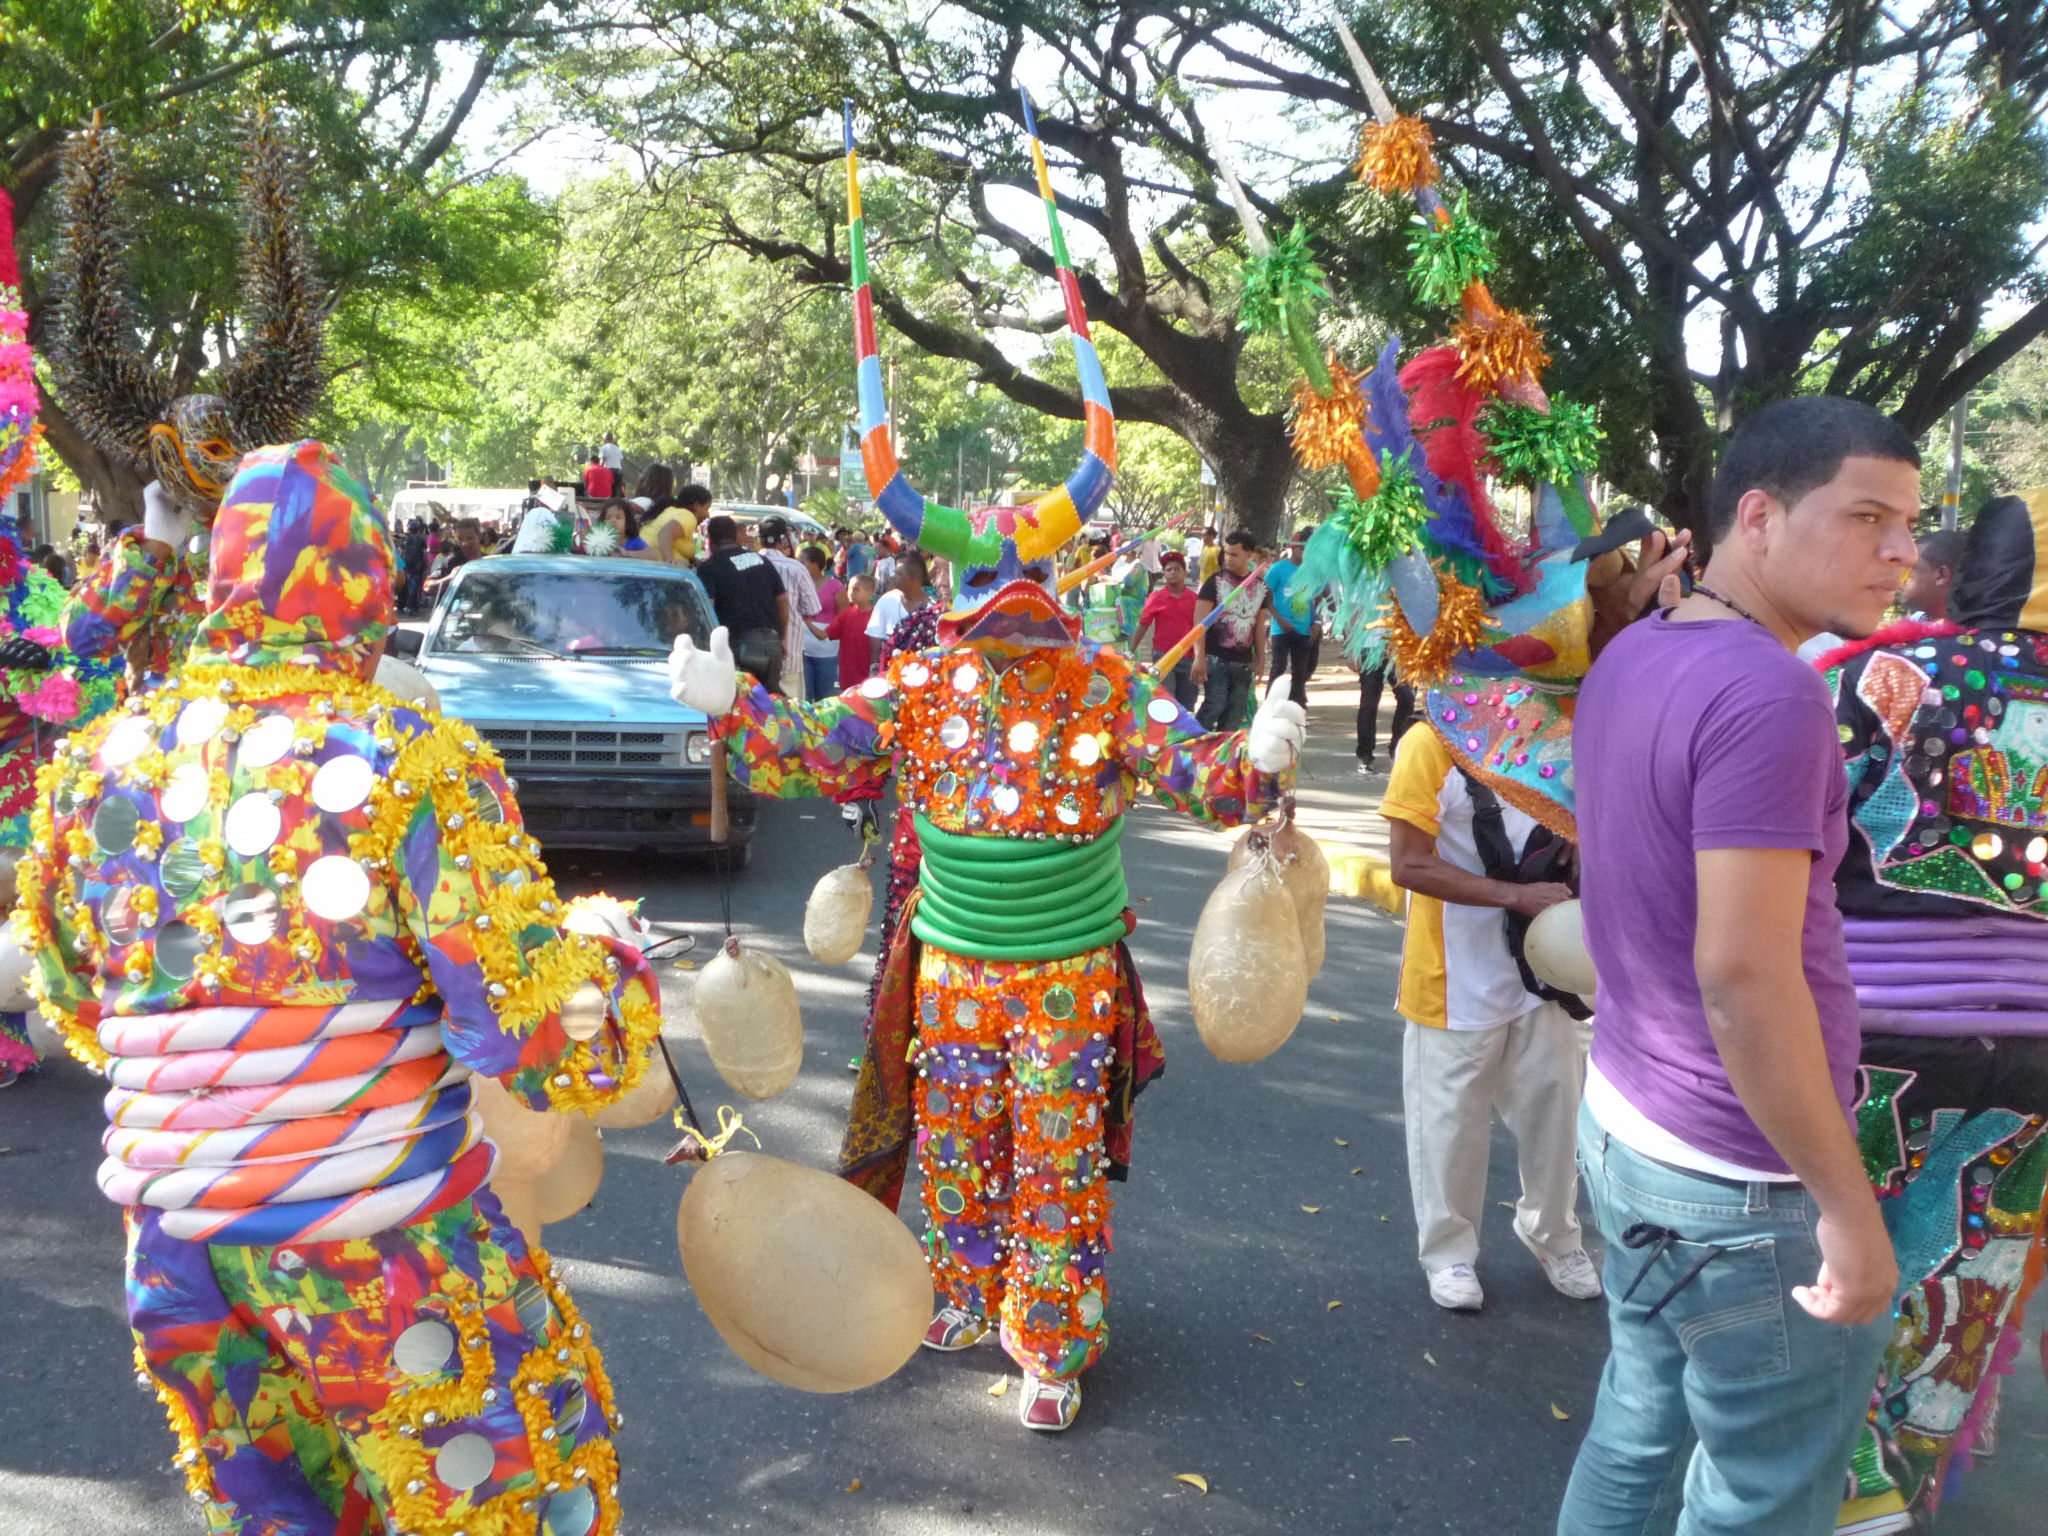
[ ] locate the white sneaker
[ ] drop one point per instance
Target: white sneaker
(1456, 1288)
(1572, 1274)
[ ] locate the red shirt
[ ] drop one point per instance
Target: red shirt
(1171, 617)
(849, 627)
(599, 482)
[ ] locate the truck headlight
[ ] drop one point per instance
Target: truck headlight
(697, 748)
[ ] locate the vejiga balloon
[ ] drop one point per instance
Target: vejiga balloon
(395, 675)
(14, 968)
(1555, 947)
(1304, 871)
(836, 916)
(570, 1183)
(746, 1009)
(643, 1104)
(810, 1280)
(528, 1141)
(1247, 975)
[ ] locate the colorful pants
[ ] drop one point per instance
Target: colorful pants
(1009, 1102)
(1965, 1181)
(432, 1379)
(16, 1052)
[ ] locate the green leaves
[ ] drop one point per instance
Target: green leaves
(1449, 256)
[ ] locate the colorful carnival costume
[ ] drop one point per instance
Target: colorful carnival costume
(287, 916)
(148, 595)
(1010, 1030)
(1944, 895)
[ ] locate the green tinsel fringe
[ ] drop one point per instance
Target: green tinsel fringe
(1285, 282)
(1389, 522)
(1535, 448)
(1448, 258)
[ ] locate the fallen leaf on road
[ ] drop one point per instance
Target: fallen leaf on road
(1262, 1338)
(1429, 1357)
(1194, 1480)
(1000, 1387)
(1342, 1142)
(1401, 1440)
(1311, 1209)
(1301, 1383)
(1383, 1218)
(1358, 1170)
(1333, 1306)
(1506, 1205)
(1143, 899)
(1336, 1018)
(1557, 1412)
(686, 965)
(854, 1486)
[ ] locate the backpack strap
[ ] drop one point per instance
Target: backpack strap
(1497, 854)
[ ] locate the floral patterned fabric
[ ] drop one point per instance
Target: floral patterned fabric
(431, 1379)
(137, 608)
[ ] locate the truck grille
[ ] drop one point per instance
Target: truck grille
(627, 746)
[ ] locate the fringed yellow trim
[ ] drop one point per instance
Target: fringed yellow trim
(1498, 350)
(1395, 157)
(1326, 427)
(1425, 660)
(594, 1462)
(191, 1458)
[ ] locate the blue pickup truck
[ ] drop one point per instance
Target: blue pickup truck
(561, 662)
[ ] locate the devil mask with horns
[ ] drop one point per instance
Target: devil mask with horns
(191, 442)
(1006, 594)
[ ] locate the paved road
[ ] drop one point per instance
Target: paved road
(1381, 1415)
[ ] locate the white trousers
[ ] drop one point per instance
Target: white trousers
(1531, 1069)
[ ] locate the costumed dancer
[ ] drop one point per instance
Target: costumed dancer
(39, 694)
(1944, 896)
(148, 594)
(1011, 1028)
(288, 916)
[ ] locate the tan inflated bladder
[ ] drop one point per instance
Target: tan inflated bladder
(810, 1280)
(1247, 975)
(836, 916)
(528, 1142)
(1555, 947)
(570, 1182)
(644, 1103)
(1305, 873)
(746, 1010)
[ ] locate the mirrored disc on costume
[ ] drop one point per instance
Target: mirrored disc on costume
(1162, 710)
(178, 949)
(1086, 751)
(184, 794)
(121, 917)
(965, 677)
(200, 721)
(114, 823)
(265, 742)
(1098, 692)
(1037, 674)
(1023, 738)
(337, 888)
(916, 674)
(1006, 799)
(343, 783)
(530, 1304)
(485, 799)
(465, 1462)
(569, 1417)
(571, 1512)
(875, 688)
(425, 1348)
(252, 825)
(583, 1015)
(250, 913)
(953, 733)
(184, 872)
(130, 737)
(1089, 1308)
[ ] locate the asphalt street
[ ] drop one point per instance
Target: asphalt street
(1270, 1329)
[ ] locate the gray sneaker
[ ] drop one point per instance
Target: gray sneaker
(1455, 1288)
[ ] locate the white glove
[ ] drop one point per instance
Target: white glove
(163, 518)
(703, 680)
(1278, 730)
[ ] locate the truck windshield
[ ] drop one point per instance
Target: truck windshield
(551, 613)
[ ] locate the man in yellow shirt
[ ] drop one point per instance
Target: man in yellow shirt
(1478, 1040)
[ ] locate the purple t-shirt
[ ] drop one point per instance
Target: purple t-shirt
(1691, 736)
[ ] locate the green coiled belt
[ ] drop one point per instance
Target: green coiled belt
(1001, 898)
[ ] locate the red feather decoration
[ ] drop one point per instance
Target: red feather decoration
(1444, 412)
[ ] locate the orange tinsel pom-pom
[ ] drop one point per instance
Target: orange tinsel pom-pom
(1395, 157)
(1326, 426)
(1426, 660)
(1497, 351)
(1362, 469)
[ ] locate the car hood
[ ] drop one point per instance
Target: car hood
(486, 688)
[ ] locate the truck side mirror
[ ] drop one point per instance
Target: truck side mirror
(406, 643)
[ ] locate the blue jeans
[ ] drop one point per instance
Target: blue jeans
(821, 677)
(1732, 1410)
(1180, 682)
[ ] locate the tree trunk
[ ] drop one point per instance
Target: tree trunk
(115, 486)
(1254, 464)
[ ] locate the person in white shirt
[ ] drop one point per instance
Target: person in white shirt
(611, 456)
(905, 597)
(779, 545)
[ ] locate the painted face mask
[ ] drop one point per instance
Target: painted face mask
(1006, 596)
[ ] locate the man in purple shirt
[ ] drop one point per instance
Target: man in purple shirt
(1715, 1137)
